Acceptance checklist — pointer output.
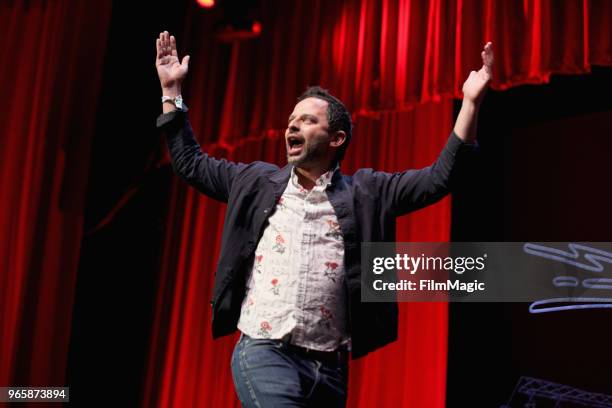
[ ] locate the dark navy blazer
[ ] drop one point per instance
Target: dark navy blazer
(366, 205)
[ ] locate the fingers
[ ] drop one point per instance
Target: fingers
(163, 44)
(487, 54)
(487, 58)
(166, 45)
(173, 46)
(160, 45)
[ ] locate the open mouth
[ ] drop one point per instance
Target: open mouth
(294, 145)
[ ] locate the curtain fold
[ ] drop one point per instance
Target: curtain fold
(51, 75)
(383, 55)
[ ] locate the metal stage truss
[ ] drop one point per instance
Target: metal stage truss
(536, 390)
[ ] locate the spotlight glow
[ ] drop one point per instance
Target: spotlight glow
(256, 27)
(206, 3)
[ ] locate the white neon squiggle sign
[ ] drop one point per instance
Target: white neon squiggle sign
(590, 254)
(593, 255)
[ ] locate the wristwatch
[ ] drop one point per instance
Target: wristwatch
(177, 101)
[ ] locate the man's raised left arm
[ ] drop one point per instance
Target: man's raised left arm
(413, 189)
(474, 89)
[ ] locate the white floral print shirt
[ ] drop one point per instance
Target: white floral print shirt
(295, 288)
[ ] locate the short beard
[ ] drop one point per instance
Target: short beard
(298, 161)
(309, 155)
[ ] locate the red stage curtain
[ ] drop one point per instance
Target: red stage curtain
(379, 55)
(396, 64)
(52, 57)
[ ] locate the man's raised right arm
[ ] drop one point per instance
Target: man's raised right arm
(210, 176)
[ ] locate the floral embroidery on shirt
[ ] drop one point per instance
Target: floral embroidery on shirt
(258, 265)
(264, 329)
(275, 286)
(334, 229)
(247, 309)
(279, 246)
(326, 317)
(330, 270)
(303, 250)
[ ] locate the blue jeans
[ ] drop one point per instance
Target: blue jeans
(272, 373)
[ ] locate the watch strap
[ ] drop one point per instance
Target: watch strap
(177, 101)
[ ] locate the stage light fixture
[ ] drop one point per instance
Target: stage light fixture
(256, 27)
(206, 3)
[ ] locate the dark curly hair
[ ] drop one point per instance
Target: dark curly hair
(338, 117)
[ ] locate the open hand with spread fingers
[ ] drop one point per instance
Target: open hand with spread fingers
(170, 69)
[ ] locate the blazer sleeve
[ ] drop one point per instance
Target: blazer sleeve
(210, 176)
(406, 191)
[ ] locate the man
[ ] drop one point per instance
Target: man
(289, 271)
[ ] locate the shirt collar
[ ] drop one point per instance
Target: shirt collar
(324, 179)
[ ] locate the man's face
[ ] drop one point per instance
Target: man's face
(307, 135)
